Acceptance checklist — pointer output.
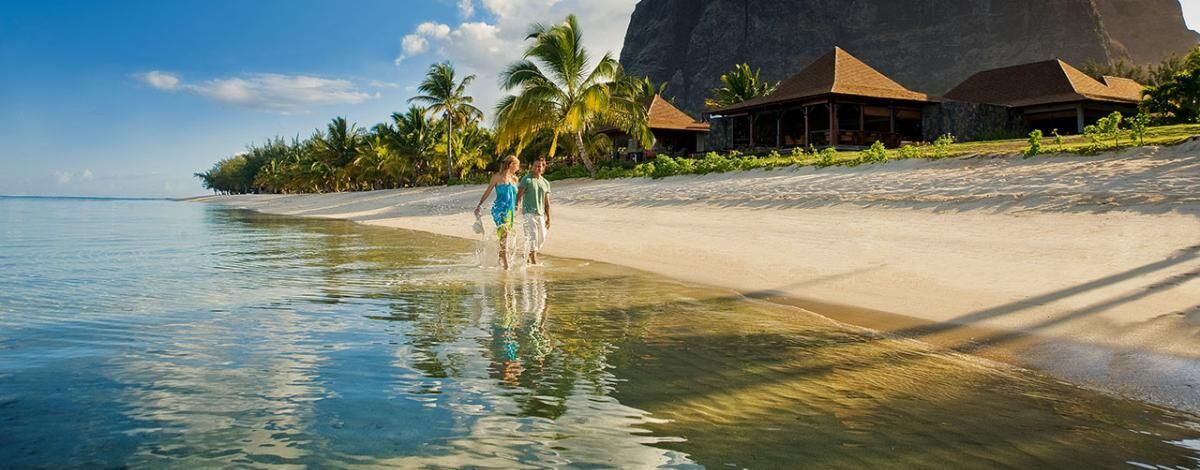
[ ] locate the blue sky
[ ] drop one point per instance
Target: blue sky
(129, 98)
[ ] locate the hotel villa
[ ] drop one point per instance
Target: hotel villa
(841, 101)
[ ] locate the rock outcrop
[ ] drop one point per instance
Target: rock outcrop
(927, 45)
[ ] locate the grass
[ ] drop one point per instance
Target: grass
(716, 163)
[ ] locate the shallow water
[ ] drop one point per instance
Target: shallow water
(160, 334)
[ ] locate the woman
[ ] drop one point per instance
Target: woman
(504, 183)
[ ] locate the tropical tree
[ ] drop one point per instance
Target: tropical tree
(1177, 100)
(336, 149)
(559, 91)
(739, 85)
(445, 94)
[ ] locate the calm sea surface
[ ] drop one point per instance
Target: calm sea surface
(172, 335)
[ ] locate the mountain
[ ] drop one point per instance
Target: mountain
(927, 45)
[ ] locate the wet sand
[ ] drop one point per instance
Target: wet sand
(1085, 267)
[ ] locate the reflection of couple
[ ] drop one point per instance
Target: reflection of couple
(530, 196)
(531, 302)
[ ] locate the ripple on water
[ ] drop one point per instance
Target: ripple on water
(181, 335)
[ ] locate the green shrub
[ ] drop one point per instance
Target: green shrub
(876, 154)
(687, 166)
(908, 151)
(1095, 139)
(644, 170)
(664, 166)
(941, 146)
(826, 157)
(1110, 127)
(566, 172)
(1058, 141)
(715, 163)
(1137, 128)
(1035, 143)
(797, 153)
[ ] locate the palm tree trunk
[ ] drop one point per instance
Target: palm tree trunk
(449, 148)
(583, 155)
(553, 146)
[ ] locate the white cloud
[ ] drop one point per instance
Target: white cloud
(485, 48)
(266, 91)
(466, 8)
(160, 80)
(433, 30)
(87, 175)
(63, 177)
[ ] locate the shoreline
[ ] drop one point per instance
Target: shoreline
(1087, 268)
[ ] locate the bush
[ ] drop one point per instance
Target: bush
(1094, 136)
(1058, 141)
(876, 154)
(566, 172)
(1110, 127)
(941, 146)
(797, 153)
(826, 157)
(908, 151)
(1138, 126)
(664, 166)
(715, 163)
(1035, 143)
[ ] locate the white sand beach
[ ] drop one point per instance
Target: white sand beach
(1085, 267)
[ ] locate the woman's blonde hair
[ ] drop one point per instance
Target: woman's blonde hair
(509, 161)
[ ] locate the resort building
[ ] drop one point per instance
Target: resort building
(837, 100)
(840, 101)
(675, 133)
(1050, 95)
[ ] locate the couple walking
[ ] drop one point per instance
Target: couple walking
(530, 196)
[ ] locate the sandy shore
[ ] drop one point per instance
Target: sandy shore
(1085, 267)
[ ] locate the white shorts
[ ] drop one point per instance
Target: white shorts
(535, 231)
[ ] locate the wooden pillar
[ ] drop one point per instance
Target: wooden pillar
(751, 117)
(892, 119)
(832, 123)
(805, 140)
(1079, 118)
(778, 130)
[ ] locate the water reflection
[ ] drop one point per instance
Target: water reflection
(293, 343)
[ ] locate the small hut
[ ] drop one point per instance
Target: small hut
(838, 100)
(1051, 94)
(675, 133)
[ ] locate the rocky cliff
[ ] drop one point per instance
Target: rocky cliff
(928, 45)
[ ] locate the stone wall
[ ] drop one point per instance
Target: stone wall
(971, 121)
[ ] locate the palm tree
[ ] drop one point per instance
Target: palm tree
(558, 91)
(337, 148)
(445, 94)
(737, 86)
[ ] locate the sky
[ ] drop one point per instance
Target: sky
(131, 97)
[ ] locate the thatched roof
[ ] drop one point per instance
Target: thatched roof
(835, 73)
(1048, 82)
(664, 115)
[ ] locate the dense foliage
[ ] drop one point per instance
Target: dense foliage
(407, 151)
(739, 85)
(1172, 86)
(559, 92)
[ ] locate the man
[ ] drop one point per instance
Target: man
(533, 197)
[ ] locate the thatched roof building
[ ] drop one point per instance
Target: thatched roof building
(1050, 94)
(836, 100)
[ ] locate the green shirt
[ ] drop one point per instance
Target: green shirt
(534, 199)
